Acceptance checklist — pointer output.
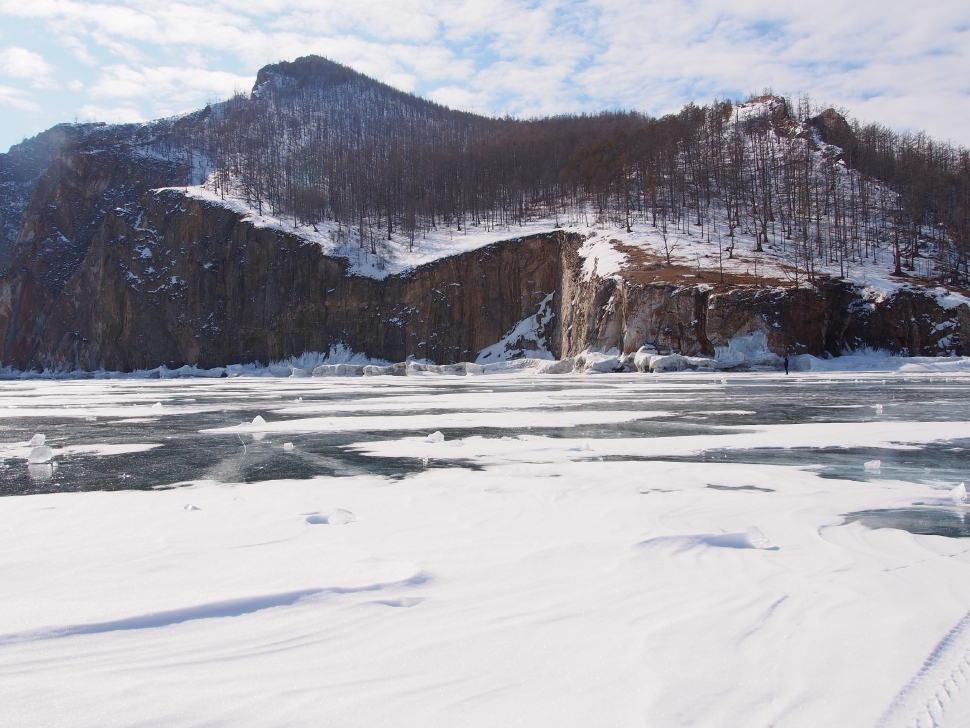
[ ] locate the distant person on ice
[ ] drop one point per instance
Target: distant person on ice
(786, 364)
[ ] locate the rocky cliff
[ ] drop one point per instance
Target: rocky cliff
(68, 207)
(695, 318)
(174, 280)
(171, 279)
(20, 170)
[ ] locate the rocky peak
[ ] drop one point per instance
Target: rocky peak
(765, 112)
(832, 128)
(308, 70)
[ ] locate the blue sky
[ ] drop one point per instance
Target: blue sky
(904, 64)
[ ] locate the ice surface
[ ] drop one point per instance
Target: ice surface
(897, 435)
(574, 559)
(405, 602)
(384, 423)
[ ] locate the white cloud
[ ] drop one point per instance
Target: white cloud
(168, 82)
(16, 99)
(906, 62)
(19, 62)
(76, 48)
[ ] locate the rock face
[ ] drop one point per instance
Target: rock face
(176, 280)
(20, 169)
(696, 319)
(67, 209)
(832, 127)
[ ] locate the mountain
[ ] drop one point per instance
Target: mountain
(327, 209)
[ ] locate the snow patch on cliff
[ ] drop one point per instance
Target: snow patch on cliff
(527, 340)
(601, 258)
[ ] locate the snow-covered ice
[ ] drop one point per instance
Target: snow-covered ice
(678, 549)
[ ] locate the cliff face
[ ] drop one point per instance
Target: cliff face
(67, 208)
(110, 273)
(20, 169)
(175, 280)
(696, 318)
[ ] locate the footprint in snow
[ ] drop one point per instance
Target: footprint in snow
(749, 538)
(338, 517)
(404, 602)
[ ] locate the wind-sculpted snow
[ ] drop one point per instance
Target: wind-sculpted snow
(692, 549)
(531, 448)
(466, 420)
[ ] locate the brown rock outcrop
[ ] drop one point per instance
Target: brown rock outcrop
(181, 281)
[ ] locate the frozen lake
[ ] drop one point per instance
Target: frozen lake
(682, 550)
(191, 424)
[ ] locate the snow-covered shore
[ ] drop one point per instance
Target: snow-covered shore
(743, 354)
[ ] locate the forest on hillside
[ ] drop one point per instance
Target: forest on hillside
(319, 143)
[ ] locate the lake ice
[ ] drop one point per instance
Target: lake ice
(662, 550)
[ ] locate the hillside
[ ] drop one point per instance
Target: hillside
(327, 209)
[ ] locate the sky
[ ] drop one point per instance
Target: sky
(903, 64)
